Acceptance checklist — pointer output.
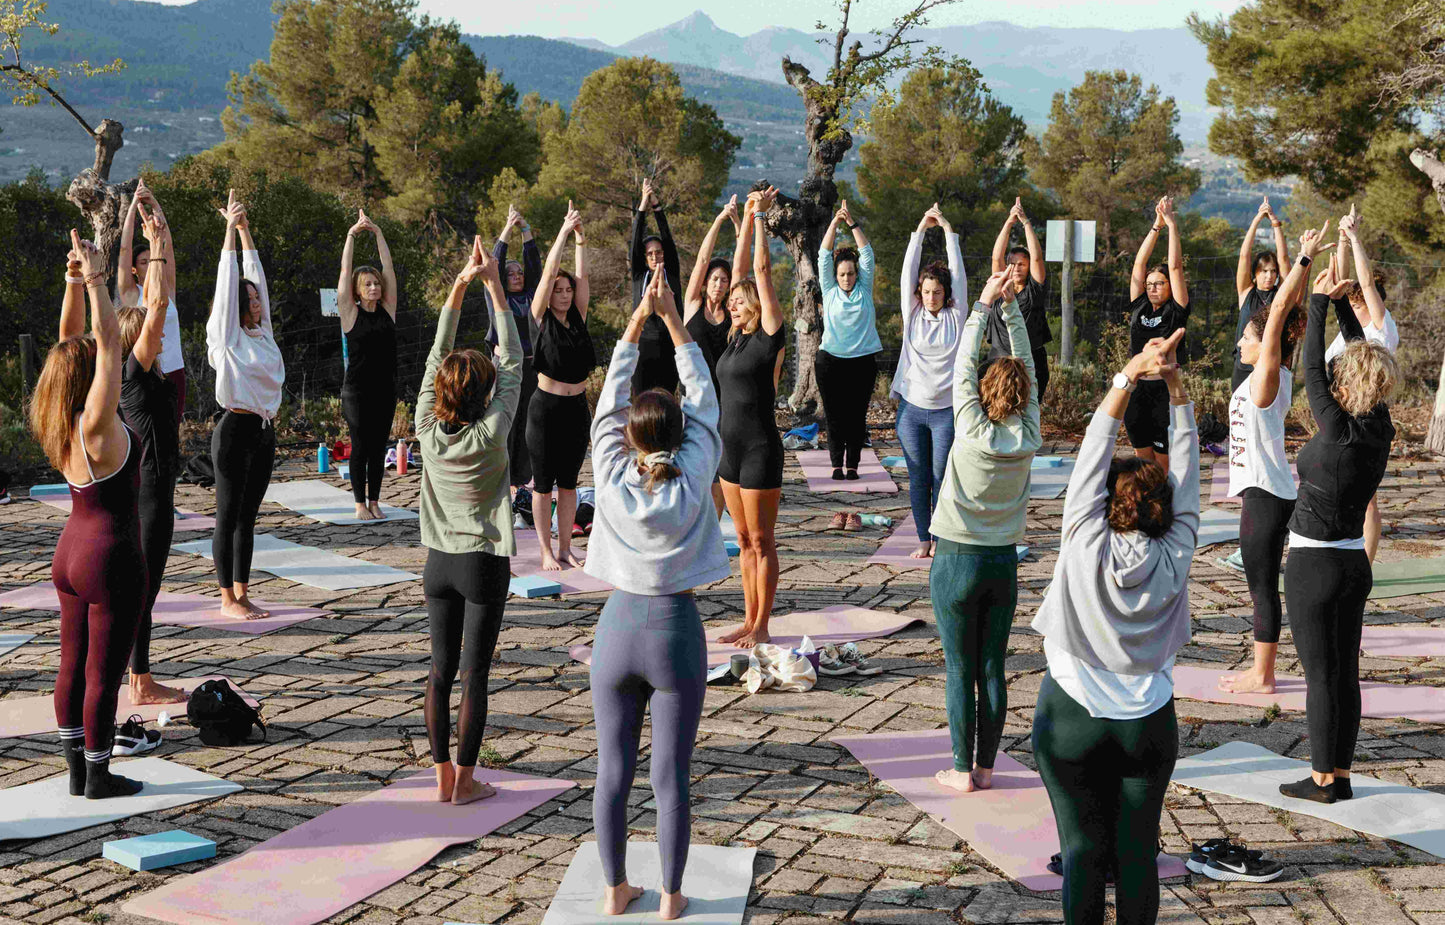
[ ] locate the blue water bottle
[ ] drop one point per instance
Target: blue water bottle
(877, 520)
(323, 458)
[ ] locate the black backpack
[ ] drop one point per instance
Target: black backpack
(221, 716)
(1211, 429)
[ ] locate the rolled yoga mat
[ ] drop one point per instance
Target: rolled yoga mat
(45, 807)
(1378, 699)
(186, 521)
(327, 503)
(310, 566)
(175, 609)
(716, 883)
(829, 626)
(1011, 824)
(313, 871)
(872, 477)
(528, 561)
(1381, 808)
(32, 716)
(897, 548)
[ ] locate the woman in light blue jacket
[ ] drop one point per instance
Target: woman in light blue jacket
(847, 360)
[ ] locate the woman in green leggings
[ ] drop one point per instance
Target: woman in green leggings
(1112, 621)
(980, 516)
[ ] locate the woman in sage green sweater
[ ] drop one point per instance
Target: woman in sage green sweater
(463, 417)
(980, 516)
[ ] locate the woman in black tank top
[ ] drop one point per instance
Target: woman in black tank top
(1257, 278)
(366, 299)
(705, 311)
(1158, 306)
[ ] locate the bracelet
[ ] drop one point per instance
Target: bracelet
(159, 260)
(1156, 228)
(853, 225)
(1275, 223)
(75, 280)
(94, 277)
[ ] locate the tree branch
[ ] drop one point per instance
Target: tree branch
(33, 81)
(1431, 166)
(841, 37)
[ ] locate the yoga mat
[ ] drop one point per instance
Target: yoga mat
(186, 521)
(1219, 482)
(32, 716)
(528, 561)
(896, 549)
(872, 477)
(1379, 808)
(313, 871)
(1049, 482)
(1403, 641)
(326, 503)
(1216, 526)
(45, 807)
(1378, 699)
(1406, 576)
(310, 566)
(174, 609)
(9, 642)
(716, 883)
(832, 626)
(1011, 824)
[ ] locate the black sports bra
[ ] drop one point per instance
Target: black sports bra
(563, 351)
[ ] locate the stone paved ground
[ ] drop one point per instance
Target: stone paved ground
(343, 697)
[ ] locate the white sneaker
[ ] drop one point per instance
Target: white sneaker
(849, 655)
(829, 663)
(133, 738)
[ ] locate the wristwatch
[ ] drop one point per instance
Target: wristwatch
(1122, 381)
(1305, 261)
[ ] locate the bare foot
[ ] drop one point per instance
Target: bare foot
(375, 508)
(1247, 682)
(924, 551)
(549, 561)
(363, 512)
(753, 637)
(446, 781)
(983, 778)
(237, 610)
(571, 559)
(470, 791)
(735, 635)
(256, 612)
(955, 780)
(672, 905)
(144, 689)
(616, 898)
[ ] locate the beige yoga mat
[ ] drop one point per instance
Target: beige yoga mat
(716, 882)
(176, 609)
(31, 716)
(327, 503)
(308, 565)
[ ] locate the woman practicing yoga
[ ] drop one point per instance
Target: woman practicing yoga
(705, 310)
(923, 382)
(1328, 576)
(1259, 471)
(656, 538)
(1029, 276)
(558, 419)
(1159, 306)
(130, 279)
(1257, 278)
(463, 419)
(974, 577)
(99, 569)
(649, 255)
(751, 471)
(847, 360)
(519, 279)
(148, 407)
(1115, 616)
(241, 348)
(366, 299)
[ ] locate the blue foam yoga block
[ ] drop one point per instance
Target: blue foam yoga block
(732, 547)
(343, 471)
(1021, 551)
(58, 488)
(163, 849)
(1048, 462)
(892, 461)
(534, 586)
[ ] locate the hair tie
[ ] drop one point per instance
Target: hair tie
(661, 456)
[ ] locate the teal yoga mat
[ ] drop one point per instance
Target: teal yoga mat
(1405, 577)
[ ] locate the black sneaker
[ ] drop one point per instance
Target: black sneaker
(1056, 866)
(1343, 789)
(1307, 789)
(133, 738)
(1232, 863)
(1200, 853)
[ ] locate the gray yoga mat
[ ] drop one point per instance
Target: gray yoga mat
(310, 566)
(327, 503)
(12, 641)
(716, 884)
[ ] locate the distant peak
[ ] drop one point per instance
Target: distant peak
(697, 20)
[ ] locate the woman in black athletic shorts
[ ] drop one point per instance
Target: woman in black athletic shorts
(751, 471)
(1159, 306)
(705, 309)
(650, 254)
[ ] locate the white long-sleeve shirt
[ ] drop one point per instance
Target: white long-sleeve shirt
(248, 364)
(924, 377)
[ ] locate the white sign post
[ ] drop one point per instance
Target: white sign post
(1068, 242)
(329, 309)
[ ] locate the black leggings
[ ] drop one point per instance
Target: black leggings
(1263, 529)
(157, 527)
(846, 385)
(368, 417)
(1106, 780)
(243, 450)
(1326, 590)
(466, 593)
(558, 430)
(517, 458)
(1041, 371)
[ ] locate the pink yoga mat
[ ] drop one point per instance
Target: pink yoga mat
(33, 716)
(1011, 824)
(896, 548)
(173, 609)
(1219, 482)
(326, 864)
(1403, 641)
(818, 470)
(528, 561)
(832, 625)
(185, 520)
(1379, 700)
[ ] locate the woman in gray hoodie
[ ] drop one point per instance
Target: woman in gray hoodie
(1105, 735)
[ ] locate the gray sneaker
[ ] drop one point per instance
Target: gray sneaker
(1235, 561)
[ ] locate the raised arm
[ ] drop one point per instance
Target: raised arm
(968, 414)
(772, 313)
(1019, 346)
(636, 255)
(388, 270)
(609, 439)
(496, 422)
(99, 413)
(1178, 287)
(531, 259)
(124, 279)
(72, 304)
(999, 258)
(692, 301)
(446, 336)
(345, 295)
(908, 283)
(579, 256)
(1365, 272)
(956, 269)
(671, 265)
(1183, 446)
(543, 296)
(743, 249)
(860, 239)
(1243, 279)
(224, 326)
(148, 345)
(1140, 273)
(1264, 381)
(1333, 420)
(832, 233)
(1281, 245)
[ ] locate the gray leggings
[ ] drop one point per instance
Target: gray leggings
(648, 650)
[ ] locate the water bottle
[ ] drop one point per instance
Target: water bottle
(323, 458)
(401, 454)
(877, 520)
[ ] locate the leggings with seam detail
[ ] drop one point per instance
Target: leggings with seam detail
(368, 418)
(1263, 529)
(157, 529)
(466, 596)
(974, 591)
(559, 428)
(846, 385)
(649, 652)
(243, 451)
(1326, 590)
(1106, 780)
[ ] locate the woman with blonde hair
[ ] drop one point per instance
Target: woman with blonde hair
(99, 569)
(751, 471)
(973, 580)
(463, 422)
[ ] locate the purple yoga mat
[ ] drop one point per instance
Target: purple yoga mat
(1219, 482)
(1379, 700)
(896, 548)
(1011, 824)
(33, 716)
(185, 520)
(326, 864)
(831, 625)
(818, 470)
(1403, 641)
(173, 609)
(528, 561)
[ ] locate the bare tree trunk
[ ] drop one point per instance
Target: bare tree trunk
(102, 202)
(1431, 166)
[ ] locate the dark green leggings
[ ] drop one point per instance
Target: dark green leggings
(1106, 780)
(974, 591)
